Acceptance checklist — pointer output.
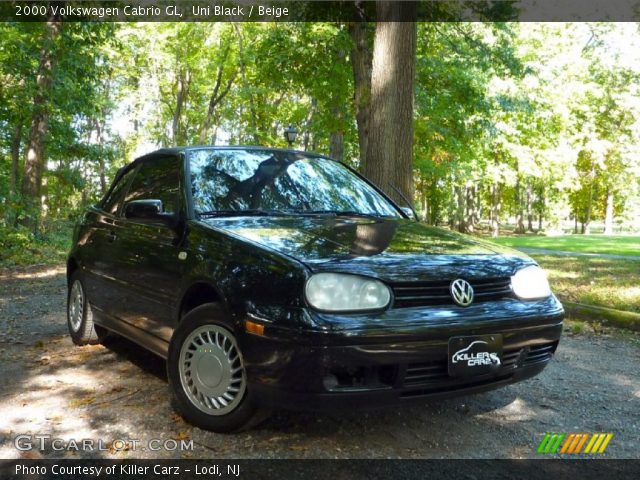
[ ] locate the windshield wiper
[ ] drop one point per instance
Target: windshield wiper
(242, 213)
(338, 213)
(280, 213)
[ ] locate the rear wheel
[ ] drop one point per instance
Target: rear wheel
(80, 316)
(207, 375)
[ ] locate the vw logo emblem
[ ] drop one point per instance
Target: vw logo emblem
(461, 292)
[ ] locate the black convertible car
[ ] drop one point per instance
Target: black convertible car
(276, 278)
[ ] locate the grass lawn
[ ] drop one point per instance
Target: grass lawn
(619, 245)
(613, 283)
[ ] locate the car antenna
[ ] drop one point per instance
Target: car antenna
(415, 214)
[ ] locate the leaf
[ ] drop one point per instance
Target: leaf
(298, 448)
(82, 402)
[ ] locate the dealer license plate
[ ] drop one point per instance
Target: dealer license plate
(474, 355)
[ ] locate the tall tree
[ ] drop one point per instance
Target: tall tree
(34, 157)
(361, 59)
(389, 158)
(220, 91)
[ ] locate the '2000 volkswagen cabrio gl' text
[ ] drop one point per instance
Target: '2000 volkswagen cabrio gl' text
(273, 278)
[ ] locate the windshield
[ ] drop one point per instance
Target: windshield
(279, 182)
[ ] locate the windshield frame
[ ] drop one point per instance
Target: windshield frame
(187, 163)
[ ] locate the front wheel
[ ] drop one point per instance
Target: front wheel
(80, 316)
(206, 373)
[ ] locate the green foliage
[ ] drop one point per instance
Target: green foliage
(545, 114)
(576, 327)
(262, 77)
(20, 246)
(511, 120)
(79, 148)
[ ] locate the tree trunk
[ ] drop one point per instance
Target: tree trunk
(608, 217)
(184, 79)
(16, 140)
(245, 84)
(477, 203)
(44, 202)
(217, 96)
(519, 209)
(529, 206)
(306, 137)
(586, 225)
(470, 207)
(361, 63)
(452, 204)
(99, 126)
(424, 205)
(426, 214)
(461, 225)
(336, 146)
(85, 191)
(495, 210)
(34, 157)
(336, 139)
(103, 178)
(541, 207)
(389, 158)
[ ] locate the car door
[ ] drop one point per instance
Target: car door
(148, 266)
(99, 265)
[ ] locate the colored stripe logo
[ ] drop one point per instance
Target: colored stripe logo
(574, 443)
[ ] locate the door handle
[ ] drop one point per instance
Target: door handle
(111, 237)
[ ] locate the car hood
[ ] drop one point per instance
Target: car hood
(390, 249)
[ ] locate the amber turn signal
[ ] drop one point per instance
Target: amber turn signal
(254, 328)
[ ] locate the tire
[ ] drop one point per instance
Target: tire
(213, 393)
(80, 316)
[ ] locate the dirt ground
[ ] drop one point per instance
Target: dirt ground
(118, 394)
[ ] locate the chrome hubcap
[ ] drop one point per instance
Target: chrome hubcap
(76, 305)
(211, 370)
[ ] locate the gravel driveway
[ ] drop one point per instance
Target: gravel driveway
(119, 394)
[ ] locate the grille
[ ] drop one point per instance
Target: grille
(418, 294)
(539, 353)
(435, 373)
(419, 373)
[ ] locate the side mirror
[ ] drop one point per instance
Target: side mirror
(409, 213)
(148, 211)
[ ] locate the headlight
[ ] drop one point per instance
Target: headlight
(340, 293)
(530, 282)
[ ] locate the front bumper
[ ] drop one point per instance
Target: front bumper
(373, 366)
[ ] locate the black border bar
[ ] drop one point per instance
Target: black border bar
(318, 10)
(551, 469)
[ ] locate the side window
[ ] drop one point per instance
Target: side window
(157, 179)
(113, 201)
